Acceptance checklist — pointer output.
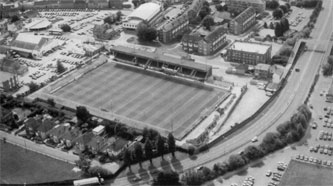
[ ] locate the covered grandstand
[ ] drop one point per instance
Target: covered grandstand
(145, 12)
(158, 62)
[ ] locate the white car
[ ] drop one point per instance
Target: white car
(255, 139)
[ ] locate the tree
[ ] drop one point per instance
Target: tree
(97, 171)
(220, 168)
(160, 146)
(22, 8)
(283, 128)
(288, 6)
(109, 20)
(207, 22)
(236, 161)
(219, 7)
(253, 152)
(65, 28)
(119, 14)
(271, 25)
(82, 113)
(206, 4)
(195, 20)
(284, 8)
(272, 4)
(327, 69)
(166, 178)
(83, 163)
(172, 144)
(138, 153)
(51, 102)
(278, 30)
(205, 10)
(285, 51)
(60, 67)
(265, 25)
(192, 177)
(277, 13)
(149, 150)
(127, 157)
(14, 18)
(33, 87)
(145, 32)
(284, 24)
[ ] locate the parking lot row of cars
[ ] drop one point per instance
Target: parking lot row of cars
(60, 38)
(66, 10)
(28, 63)
(314, 160)
(249, 181)
(63, 14)
(322, 149)
(325, 135)
(37, 75)
(276, 176)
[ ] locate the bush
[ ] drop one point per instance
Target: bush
(191, 150)
(99, 171)
(236, 161)
(65, 28)
(145, 32)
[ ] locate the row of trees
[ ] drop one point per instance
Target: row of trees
(113, 18)
(204, 11)
(153, 140)
(281, 27)
(287, 133)
(307, 3)
(328, 67)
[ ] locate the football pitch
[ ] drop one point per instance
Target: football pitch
(152, 98)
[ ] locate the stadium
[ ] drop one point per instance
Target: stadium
(137, 97)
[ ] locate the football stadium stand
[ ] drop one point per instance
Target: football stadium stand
(158, 62)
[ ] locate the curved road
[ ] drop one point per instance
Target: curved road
(292, 96)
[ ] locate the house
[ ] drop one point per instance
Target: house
(213, 41)
(174, 28)
(57, 132)
(10, 65)
(243, 21)
(70, 136)
(46, 125)
(31, 126)
(241, 5)
(205, 45)
(82, 141)
(263, 71)
(190, 42)
(96, 144)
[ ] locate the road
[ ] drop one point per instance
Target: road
(293, 95)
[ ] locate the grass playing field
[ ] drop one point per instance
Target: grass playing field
(18, 166)
(300, 173)
(148, 97)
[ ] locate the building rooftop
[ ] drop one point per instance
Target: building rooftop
(245, 15)
(212, 36)
(145, 11)
(38, 23)
(250, 47)
(160, 57)
(262, 66)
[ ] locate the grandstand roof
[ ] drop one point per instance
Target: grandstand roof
(163, 58)
(145, 11)
(38, 23)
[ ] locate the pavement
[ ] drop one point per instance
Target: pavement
(285, 105)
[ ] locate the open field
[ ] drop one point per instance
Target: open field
(300, 173)
(149, 97)
(18, 166)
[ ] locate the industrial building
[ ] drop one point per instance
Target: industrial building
(249, 53)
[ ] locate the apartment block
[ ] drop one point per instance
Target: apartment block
(243, 21)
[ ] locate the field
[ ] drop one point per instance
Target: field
(299, 173)
(155, 99)
(18, 166)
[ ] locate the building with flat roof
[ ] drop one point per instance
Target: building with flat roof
(205, 45)
(249, 53)
(145, 12)
(38, 24)
(243, 21)
(175, 26)
(240, 5)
